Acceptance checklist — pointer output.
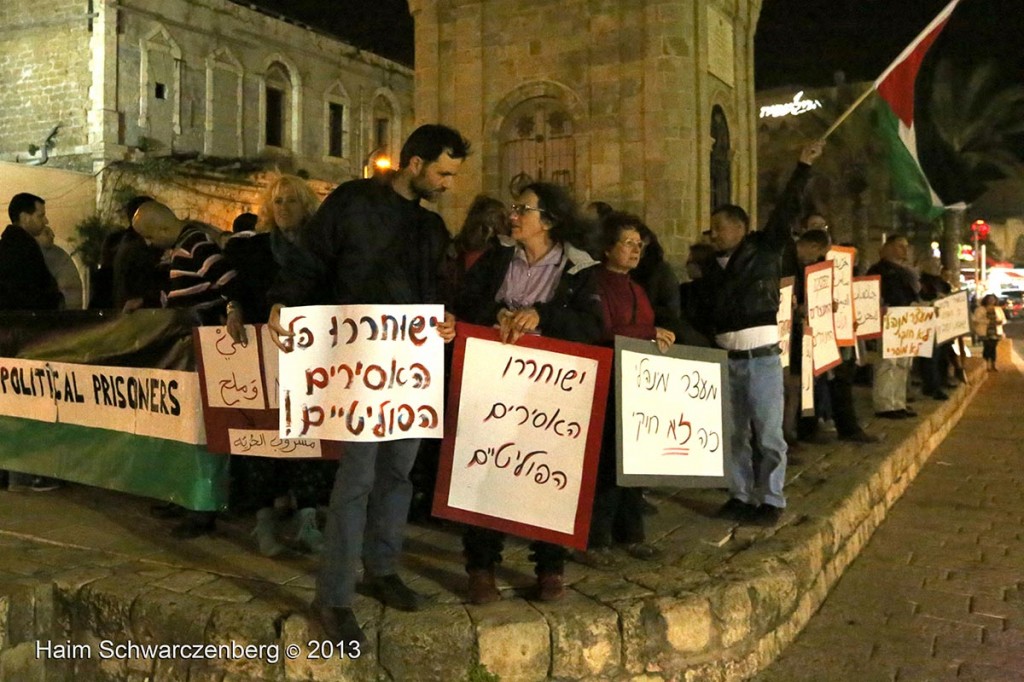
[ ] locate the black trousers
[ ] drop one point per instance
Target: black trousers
(840, 388)
(482, 548)
(988, 349)
(618, 512)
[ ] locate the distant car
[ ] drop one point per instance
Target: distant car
(1013, 304)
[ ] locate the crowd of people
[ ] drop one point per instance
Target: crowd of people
(538, 266)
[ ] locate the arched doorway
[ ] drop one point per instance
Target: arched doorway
(537, 144)
(721, 163)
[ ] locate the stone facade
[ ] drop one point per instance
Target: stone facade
(612, 97)
(137, 79)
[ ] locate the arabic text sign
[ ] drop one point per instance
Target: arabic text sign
(807, 374)
(269, 359)
(267, 443)
(908, 331)
(363, 373)
(231, 371)
(529, 417)
(673, 413)
(784, 318)
(952, 319)
(819, 316)
(842, 258)
(146, 402)
(867, 299)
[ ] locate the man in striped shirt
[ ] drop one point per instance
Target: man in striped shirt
(201, 279)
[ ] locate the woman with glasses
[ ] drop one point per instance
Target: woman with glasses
(536, 282)
(627, 311)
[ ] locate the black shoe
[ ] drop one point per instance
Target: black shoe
(736, 510)
(892, 414)
(938, 395)
(391, 591)
(195, 525)
(767, 515)
(860, 436)
(907, 412)
(340, 625)
(166, 510)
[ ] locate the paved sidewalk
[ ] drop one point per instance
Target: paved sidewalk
(938, 593)
(84, 565)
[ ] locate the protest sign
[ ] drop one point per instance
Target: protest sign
(952, 318)
(231, 371)
(524, 435)
(908, 331)
(142, 401)
(673, 414)
(867, 299)
(267, 443)
(269, 360)
(363, 373)
(842, 258)
(784, 318)
(818, 291)
(807, 374)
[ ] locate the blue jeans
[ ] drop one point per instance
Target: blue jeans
(756, 386)
(367, 516)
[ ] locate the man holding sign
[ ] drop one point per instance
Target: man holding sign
(746, 285)
(373, 243)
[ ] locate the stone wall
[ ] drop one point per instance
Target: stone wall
(44, 77)
(634, 78)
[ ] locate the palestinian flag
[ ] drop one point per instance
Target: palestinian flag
(896, 89)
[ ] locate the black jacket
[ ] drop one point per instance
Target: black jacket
(369, 245)
(746, 291)
(25, 281)
(899, 286)
(572, 314)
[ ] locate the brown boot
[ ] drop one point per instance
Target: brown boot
(482, 589)
(550, 587)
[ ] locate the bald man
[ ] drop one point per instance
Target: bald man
(201, 278)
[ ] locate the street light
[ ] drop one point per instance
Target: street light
(376, 162)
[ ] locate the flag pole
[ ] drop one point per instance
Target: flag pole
(846, 114)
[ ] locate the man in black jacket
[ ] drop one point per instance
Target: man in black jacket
(745, 282)
(372, 242)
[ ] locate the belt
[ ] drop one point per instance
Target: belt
(763, 351)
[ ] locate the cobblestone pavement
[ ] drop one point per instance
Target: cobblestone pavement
(938, 593)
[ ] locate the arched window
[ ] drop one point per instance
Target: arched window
(383, 121)
(337, 113)
(721, 163)
(537, 144)
(276, 109)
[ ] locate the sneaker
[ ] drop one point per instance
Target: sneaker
(340, 625)
(767, 515)
(391, 591)
(643, 551)
(307, 536)
(550, 586)
(735, 510)
(43, 484)
(599, 556)
(482, 588)
(860, 436)
(265, 532)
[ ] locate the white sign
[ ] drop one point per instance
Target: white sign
(363, 373)
(231, 371)
(842, 258)
(820, 319)
(670, 414)
(147, 402)
(271, 369)
(721, 51)
(267, 443)
(867, 298)
(784, 318)
(807, 374)
(524, 417)
(952, 319)
(908, 331)
(797, 106)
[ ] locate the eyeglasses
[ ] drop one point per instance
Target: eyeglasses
(523, 209)
(633, 244)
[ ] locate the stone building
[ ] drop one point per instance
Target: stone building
(96, 85)
(645, 104)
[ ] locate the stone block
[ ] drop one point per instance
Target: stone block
(436, 644)
(643, 633)
(245, 625)
(513, 640)
(585, 637)
(20, 663)
(104, 606)
(689, 627)
(731, 606)
(162, 616)
(298, 630)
